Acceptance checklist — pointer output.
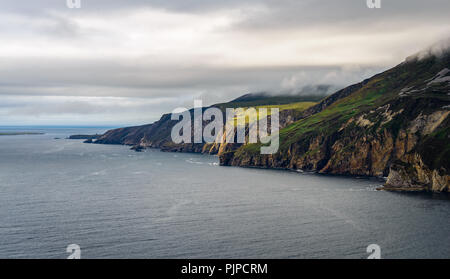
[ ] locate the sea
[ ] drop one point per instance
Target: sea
(113, 202)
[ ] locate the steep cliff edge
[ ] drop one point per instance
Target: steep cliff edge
(158, 134)
(395, 124)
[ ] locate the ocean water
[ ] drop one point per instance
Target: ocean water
(117, 203)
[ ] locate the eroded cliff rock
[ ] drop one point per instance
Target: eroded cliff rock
(395, 125)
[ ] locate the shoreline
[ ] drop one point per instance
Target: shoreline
(382, 180)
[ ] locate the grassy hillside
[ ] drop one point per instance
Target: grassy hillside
(394, 124)
(261, 99)
(380, 90)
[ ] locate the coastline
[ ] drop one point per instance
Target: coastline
(383, 187)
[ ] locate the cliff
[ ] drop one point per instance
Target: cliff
(394, 125)
(158, 134)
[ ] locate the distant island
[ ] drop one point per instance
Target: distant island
(20, 133)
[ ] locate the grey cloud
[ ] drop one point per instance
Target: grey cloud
(352, 13)
(79, 107)
(112, 78)
(40, 6)
(436, 49)
(150, 77)
(81, 110)
(285, 13)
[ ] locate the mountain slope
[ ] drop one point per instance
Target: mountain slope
(158, 134)
(394, 124)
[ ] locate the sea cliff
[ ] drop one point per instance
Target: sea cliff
(394, 125)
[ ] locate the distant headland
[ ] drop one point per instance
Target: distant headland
(20, 133)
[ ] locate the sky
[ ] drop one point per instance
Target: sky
(122, 63)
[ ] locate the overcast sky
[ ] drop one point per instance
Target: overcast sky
(126, 62)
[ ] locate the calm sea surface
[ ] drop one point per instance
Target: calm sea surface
(117, 203)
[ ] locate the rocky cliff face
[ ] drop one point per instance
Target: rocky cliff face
(158, 134)
(394, 125)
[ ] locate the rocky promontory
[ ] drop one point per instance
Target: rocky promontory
(394, 125)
